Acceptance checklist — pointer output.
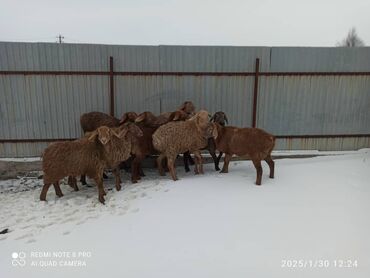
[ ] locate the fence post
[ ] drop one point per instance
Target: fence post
(111, 87)
(255, 92)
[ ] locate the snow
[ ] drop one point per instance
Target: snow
(212, 225)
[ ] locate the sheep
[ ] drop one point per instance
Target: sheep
(144, 145)
(218, 117)
(174, 138)
(93, 120)
(105, 147)
(149, 119)
(254, 142)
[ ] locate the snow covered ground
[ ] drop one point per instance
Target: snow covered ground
(316, 210)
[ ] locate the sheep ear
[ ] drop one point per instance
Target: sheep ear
(174, 116)
(140, 118)
(182, 107)
(226, 120)
(123, 119)
(212, 118)
(93, 135)
(122, 133)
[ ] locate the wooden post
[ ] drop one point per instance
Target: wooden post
(255, 93)
(111, 87)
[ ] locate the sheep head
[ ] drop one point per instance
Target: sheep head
(220, 118)
(128, 117)
(103, 134)
(188, 107)
(146, 118)
(178, 116)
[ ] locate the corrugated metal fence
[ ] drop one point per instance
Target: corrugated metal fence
(311, 98)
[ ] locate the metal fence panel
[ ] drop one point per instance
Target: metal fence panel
(307, 105)
(137, 93)
(320, 59)
(213, 93)
(213, 58)
(35, 107)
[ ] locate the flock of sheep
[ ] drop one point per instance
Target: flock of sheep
(109, 142)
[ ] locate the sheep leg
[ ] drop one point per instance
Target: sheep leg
(191, 160)
(99, 183)
(44, 191)
(83, 179)
(225, 168)
(199, 163)
(72, 182)
(218, 159)
(214, 158)
(159, 164)
(136, 167)
(171, 167)
(141, 172)
(57, 189)
(271, 165)
(117, 175)
(212, 150)
(185, 157)
(257, 165)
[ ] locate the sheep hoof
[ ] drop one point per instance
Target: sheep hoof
(60, 195)
(102, 200)
(258, 183)
(271, 177)
(217, 169)
(118, 187)
(187, 170)
(134, 181)
(43, 199)
(224, 171)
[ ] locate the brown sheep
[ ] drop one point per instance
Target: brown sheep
(93, 120)
(103, 148)
(174, 138)
(253, 142)
(149, 119)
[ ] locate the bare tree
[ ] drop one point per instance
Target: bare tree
(352, 39)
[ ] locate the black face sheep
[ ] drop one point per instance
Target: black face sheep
(174, 138)
(253, 142)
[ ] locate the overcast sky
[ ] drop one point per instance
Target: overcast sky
(190, 22)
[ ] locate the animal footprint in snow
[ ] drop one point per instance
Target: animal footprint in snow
(143, 195)
(66, 233)
(166, 190)
(32, 240)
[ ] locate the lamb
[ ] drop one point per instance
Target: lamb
(254, 142)
(174, 138)
(105, 147)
